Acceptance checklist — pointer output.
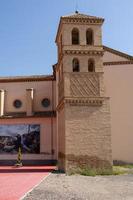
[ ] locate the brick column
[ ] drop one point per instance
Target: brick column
(29, 101)
(2, 101)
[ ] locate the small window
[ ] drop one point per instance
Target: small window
(75, 65)
(17, 103)
(91, 65)
(75, 36)
(89, 37)
(45, 103)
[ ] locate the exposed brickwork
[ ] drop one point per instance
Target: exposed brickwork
(84, 133)
(67, 28)
(73, 161)
(84, 85)
(86, 161)
(61, 138)
(88, 132)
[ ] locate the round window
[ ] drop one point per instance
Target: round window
(45, 102)
(17, 103)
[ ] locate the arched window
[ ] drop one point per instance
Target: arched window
(91, 65)
(75, 36)
(75, 64)
(89, 37)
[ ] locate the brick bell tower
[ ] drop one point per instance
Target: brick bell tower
(83, 115)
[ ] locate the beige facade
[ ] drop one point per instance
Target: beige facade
(119, 80)
(30, 91)
(87, 118)
(18, 90)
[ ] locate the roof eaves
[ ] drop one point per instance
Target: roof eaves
(119, 53)
(26, 78)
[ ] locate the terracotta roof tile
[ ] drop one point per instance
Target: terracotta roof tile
(27, 78)
(81, 16)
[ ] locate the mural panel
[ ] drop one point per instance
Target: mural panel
(25, 135)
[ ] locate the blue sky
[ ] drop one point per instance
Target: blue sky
(28, 29)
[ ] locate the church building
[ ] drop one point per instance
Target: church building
(81, 115)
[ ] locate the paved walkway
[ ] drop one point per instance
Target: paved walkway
(15, 183)
(62, 187)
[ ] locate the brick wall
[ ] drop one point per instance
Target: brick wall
(88, 138)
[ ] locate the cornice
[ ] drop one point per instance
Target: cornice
(84, 52)
(11, 115)
(78, 18)
(82, 21)
(26, 78)
(118, 63)
(90, 101)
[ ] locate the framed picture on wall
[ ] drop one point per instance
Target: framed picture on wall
(26, 135)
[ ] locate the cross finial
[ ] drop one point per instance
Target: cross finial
(76, 7)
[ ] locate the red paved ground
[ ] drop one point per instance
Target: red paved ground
(14, 185)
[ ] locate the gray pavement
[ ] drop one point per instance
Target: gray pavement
(76, 187)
